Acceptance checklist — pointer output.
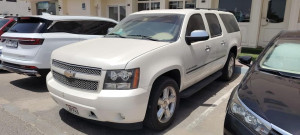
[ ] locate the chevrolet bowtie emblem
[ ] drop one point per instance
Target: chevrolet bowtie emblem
(69, 74)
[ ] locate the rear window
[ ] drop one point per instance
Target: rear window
(82, 27)
(230, 23)
(3, 22)
(30, 25)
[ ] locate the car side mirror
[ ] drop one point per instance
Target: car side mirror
(197, 35)
(109, 30)
(245, 60)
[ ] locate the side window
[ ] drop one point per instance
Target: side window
(8, 26)
(195, 23)
(230, 23)
(82, 27)
(96, 27)
(67, 27)
(214, 25)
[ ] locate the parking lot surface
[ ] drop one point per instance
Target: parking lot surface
(27, 108)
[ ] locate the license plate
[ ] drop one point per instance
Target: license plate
(11, 43)
(72, 109)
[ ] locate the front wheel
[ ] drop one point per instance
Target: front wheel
(229, 67)
(163, 104)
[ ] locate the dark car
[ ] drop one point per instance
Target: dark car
(5, 24)
(267, 101)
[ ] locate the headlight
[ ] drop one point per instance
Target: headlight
(247, 116)
(122, 79)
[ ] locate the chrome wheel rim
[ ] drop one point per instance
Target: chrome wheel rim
(166, 104)
(231, 67)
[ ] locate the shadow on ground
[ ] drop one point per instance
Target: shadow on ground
(187, 106)
(34, 84)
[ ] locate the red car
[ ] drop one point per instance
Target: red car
(5, 24)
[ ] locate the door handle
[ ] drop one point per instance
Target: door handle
(207, 49)
(223, 43)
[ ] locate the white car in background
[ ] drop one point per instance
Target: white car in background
(28, 45)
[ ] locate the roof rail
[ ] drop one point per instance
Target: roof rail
(219, 9)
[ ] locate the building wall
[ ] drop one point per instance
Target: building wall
(20, 7)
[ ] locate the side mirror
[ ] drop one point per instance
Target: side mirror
(197, 35)
(245, 60)
(109, 30)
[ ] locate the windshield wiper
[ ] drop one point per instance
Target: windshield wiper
(13, 30)
(284, 74)
(116, 34)
(144, 37)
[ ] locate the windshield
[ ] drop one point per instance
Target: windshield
(158, 27)
(283, 56)
(3, 22)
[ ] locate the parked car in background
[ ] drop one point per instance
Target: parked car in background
(138, 72)
(267, 101)
(29, 43)
(5, 24)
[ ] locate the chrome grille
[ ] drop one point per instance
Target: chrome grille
(76, 68)
(77, 83)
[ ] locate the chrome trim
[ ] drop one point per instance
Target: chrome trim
(281, 131)
(81, 69)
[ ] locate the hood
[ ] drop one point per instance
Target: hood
(274, 98)
(105, 53)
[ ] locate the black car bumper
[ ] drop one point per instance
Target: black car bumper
(30, 72)
(233, 126)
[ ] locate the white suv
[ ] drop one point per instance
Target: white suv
(28, 45)
(137, 74)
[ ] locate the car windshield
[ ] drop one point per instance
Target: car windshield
(283, 56)
(3, 22)
(158, 27)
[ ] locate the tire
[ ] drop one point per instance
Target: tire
(152, 120)
(228, 69)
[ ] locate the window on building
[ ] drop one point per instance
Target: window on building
(46, 7)
(240, 8)
(148, 4)
(276, 11)
(82, 27)
(214, 25)
(117, 13)
(181, 4)
(195, 23)
(230, 23)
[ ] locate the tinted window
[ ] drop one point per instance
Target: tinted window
(195, 23)
(276, 11)
(3, 22)
(82, 27)
(241, 9)
(30, 25)
(214, 25)
(230, 23)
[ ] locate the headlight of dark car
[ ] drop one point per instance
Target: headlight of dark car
(247, 116)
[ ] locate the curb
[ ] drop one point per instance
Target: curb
(241, 70)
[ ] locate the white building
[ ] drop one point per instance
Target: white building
(259, 20)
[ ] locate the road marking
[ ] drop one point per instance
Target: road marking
(210, 109)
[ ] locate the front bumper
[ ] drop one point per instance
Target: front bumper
(114, 106)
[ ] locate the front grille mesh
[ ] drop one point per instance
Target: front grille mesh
(77, 83)
(76, 68)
